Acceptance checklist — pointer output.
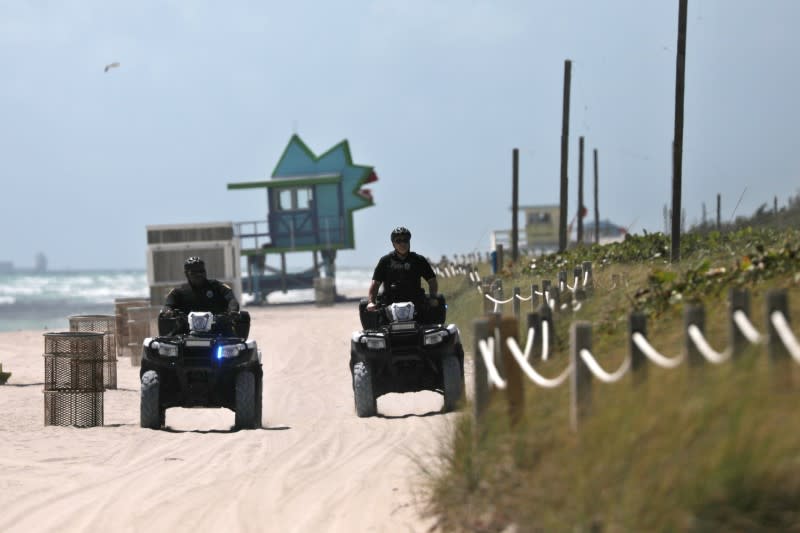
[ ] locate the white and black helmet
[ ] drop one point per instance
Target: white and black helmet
(400, 231)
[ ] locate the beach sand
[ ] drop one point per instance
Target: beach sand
(314, 467)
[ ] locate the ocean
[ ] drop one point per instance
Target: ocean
(45, 301)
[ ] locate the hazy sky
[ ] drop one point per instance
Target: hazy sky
(433, 94)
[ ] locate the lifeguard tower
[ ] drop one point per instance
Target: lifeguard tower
(310, 204)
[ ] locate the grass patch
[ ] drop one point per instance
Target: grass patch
(713, 449)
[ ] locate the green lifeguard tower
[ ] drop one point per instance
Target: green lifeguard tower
(310, 204)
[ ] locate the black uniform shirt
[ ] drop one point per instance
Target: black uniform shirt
(213, 296)
(401, 277)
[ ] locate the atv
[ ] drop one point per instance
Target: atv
(201, 360)
(403, 348)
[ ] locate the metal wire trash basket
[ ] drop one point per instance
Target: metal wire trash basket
(105, 324)
(121, 306)
(142, 323)
(73, 379)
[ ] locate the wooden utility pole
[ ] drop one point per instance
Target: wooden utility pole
(719, 212)
(596, 203)
(580, 190)
(515, 205)
(677, 144)
(562, 218)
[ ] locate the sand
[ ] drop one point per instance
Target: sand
(314, 467)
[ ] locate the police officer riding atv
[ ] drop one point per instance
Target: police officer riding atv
(405, 344)
(202, 356)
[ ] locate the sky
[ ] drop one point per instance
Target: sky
(434, 94)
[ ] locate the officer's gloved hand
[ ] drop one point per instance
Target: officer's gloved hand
(167, 313)
(233, 307)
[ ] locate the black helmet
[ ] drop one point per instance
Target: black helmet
(400, 231)
(194, 263)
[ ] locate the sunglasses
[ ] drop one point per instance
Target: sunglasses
(402, 241)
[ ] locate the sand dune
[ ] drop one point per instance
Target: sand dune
(314, 467)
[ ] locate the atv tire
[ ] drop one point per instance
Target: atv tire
(151, 415)
(453, 379)
(366, 404)
(246, 409)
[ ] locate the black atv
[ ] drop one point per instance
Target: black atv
(403, 348)
(201, 360)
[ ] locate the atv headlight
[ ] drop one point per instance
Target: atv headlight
(374, 343)
(228, 351)
(435, 338)
(167, 350)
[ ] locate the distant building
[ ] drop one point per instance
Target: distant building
(540, 231)
(40, 263)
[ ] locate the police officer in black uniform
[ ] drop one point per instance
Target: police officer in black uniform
(400, 272)
(200, 293)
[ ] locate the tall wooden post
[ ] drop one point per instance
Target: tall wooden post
(580, 190)
(719, 212)
(596, 203)
(515, 205)
(677, 143)
(562, 215)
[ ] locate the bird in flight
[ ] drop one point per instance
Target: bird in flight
(110, 66)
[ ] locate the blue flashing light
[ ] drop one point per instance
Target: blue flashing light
(219, 352)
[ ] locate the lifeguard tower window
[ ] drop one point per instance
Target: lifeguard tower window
(539, 218)
(294, 199)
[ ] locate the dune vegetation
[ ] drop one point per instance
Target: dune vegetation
(714, 448)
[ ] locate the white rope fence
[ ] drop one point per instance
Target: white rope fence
(708, 352)
(531, 372)
(584, 365)
(787, 337)
(487, 353)
(653, 355)
(598, 371)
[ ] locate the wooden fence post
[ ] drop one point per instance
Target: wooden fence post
(515, 303)
(535, 323)
(511, 371)
(534, 296)
(739, 301)
(486, 290)
(480, 331)
(546, 318)
(555, 296)
(547, 289)
(562, 279)
(580, 338)
(498, 295)
(587, 270)
(637, 323)
(694, 314)
(777, 300)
